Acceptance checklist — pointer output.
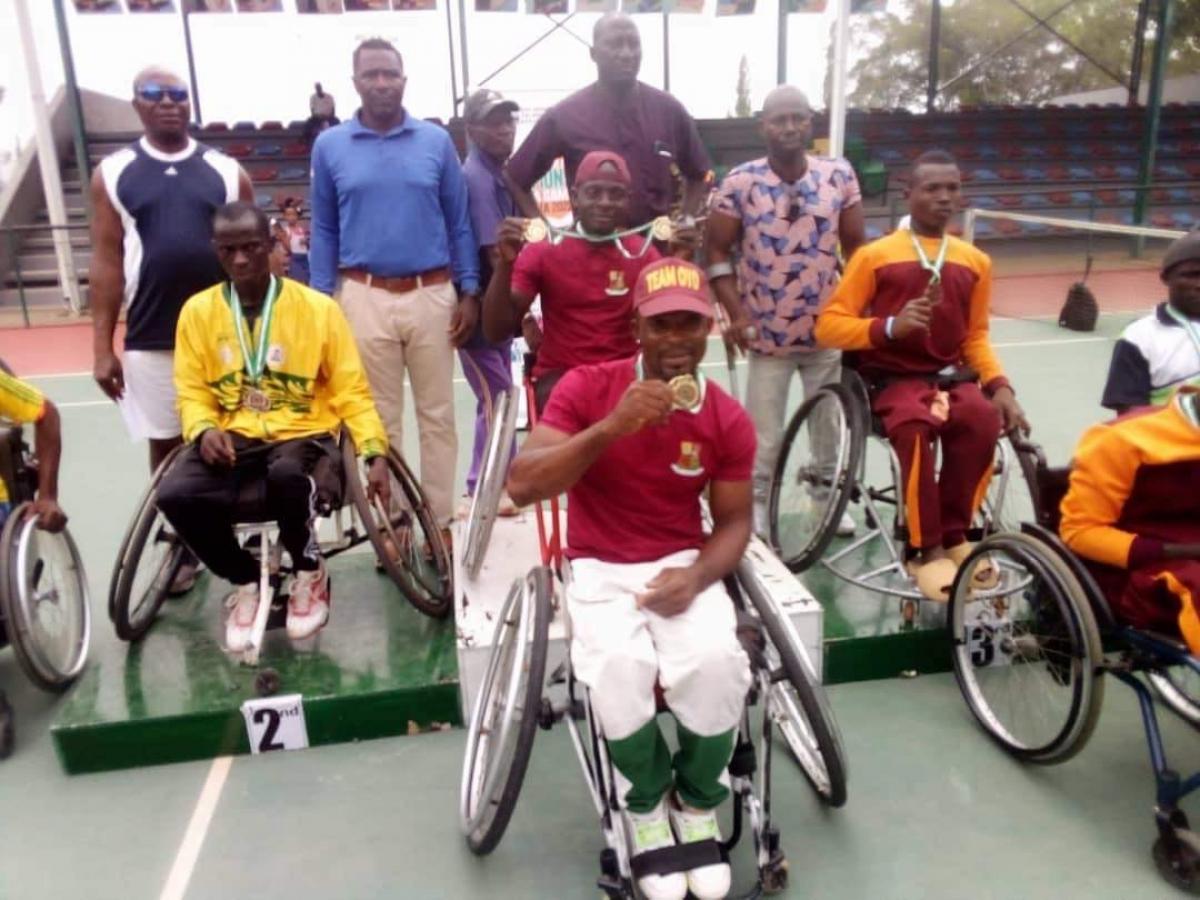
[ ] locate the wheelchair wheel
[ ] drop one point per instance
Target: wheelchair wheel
(505, 717)
(407, 540)
(147, 562)
(796, 702)
(491, 481)
(44, 601)
(1011, 496)
(1027, 652)
(814, 475)
(1179, 688)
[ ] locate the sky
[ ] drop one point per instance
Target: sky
(261, 67)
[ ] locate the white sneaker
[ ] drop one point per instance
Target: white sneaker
(308, 604)
(707, 882)
(652, 831)
(239, 626)
(845, 526)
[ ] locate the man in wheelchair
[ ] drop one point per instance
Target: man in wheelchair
(636, 442)
(21, 404)
(266, 372)
(914, 305)
(1132, 512)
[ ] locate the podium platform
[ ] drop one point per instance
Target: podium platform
(379, 668)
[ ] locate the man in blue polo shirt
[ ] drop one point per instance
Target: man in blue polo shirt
(391, 235)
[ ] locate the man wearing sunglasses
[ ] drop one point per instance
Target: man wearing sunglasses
(787, 213)
(153, 204)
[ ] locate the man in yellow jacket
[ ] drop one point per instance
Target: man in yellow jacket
(266, 372)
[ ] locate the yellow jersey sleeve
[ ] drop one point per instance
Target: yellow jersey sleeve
(20, 402)
(841, 323)
(199, 409)
(1102, 477)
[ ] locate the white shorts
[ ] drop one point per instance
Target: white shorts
(148, 406)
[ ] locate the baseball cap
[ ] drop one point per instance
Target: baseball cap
(483, 102)
(672, 285)
(590, 168)
(1184, 249)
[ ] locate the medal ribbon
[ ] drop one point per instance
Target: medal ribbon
(557, 235)
(934, 267)
(256, 361)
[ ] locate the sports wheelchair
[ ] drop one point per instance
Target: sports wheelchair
(45, 612)
(834, 456)
(1030, 662)
(407, 542)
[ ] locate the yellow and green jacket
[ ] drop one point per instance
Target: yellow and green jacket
(21, 404)
(313, 374)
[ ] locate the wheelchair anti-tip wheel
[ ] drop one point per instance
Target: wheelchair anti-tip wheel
(1026, 652)
(491, 481)
(505, 718)
(149, 558)
(814, 476)
(406, 538)
(44, 601)
(1179, 688)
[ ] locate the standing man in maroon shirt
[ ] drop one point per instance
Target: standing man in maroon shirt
(649, 128)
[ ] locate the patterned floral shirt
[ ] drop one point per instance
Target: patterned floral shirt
(788, 254)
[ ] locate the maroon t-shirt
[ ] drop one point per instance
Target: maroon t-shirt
(641, 127)
(587, 299)
(640, 500)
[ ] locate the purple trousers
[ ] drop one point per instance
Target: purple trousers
(489, 372)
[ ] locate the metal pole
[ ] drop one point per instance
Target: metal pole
(781, 43)
(837, 101)
(666, 17)
(79, 134)
(1162, 42)
(453, 75)
(1139, 50)
(187, 43)
(462, 48)
(935, 43)
(48, 161)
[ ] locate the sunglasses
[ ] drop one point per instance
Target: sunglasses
(154, 93)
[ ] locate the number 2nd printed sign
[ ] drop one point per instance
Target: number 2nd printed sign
(275, 723)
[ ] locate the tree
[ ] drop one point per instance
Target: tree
(742, 108)
(892, 51)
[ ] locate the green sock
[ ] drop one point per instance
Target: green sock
(698, 767)
(644, 759)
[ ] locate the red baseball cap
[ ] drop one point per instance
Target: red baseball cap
(589, 168)
(672, 285)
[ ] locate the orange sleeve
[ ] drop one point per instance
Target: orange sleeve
(841, 324)
(977, 345)
(1102, 477)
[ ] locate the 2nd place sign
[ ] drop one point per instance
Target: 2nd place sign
(275, 723)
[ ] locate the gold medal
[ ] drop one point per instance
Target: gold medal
(536, 231)
(256, 400)
(685, 392)
(661, 229)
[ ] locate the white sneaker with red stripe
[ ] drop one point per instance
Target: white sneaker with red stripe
(308, 604)
(242, 605)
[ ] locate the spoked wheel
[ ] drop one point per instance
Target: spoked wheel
(814, 475)
(491, 481)
(1179, 688)
(797, 704)
(505, 717)
(1011, 496)
(1026, 651)
(406, 538)
(44, 601)
(149, 558)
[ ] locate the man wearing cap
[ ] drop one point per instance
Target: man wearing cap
(648, 127)
(636, 443)
(585, 281)
(1161, 351)
(391, 239)
(787, 213)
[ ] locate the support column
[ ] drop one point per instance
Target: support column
(1162, 42)
(781, 44)
(935, 43)
(837, 99)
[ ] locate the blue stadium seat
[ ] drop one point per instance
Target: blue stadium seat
(244, 126)
(1179, 195)
(1170, 170)
(1037, 201)
(983, 228)
(984, 201)
(1034, 227)
(1080, 173)
(988, 151)
(268, 150)
(1184, 220)
(293, 173)
(889, 155)
(1078, 151)
(1033, 173)
(1125, 171)
(1126, 195)
(1081, 198)
(985, 174)
(263, 199)
(1034, 151)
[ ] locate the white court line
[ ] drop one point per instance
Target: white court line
(75, 404)
(1054, 342)
(57, 375)
(193, 838)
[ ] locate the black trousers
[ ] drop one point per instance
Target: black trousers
(290, 481)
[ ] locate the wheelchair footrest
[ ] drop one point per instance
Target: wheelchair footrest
(680, 858)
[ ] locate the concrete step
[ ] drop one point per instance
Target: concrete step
(45, 272)
(43, 259)
(42, 240)
(43, 296)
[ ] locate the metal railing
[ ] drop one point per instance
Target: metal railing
(12, 237)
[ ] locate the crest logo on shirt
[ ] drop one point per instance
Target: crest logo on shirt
(275, 356)
(171, 170)
(616, 284)
(688, 463)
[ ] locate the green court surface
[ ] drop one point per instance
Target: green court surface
(935, 810)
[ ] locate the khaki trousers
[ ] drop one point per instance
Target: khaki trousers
(411, 332)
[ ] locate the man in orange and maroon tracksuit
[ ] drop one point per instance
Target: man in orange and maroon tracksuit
(1133, 514)
(915, 304)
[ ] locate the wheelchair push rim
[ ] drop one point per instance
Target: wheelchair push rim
(407, 540)
(46, 607)
(490, 485)
(505, 718)
(1179, 689)
(808, 497)
(1027, 661)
